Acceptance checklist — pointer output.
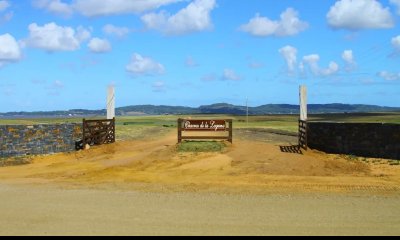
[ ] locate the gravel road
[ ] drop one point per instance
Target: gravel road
(51, 210)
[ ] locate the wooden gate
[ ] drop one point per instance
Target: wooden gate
(98, 132)
(303, 134)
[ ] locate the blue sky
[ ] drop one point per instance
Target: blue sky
(63, 54)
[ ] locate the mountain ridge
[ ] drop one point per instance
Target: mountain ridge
(217, 108)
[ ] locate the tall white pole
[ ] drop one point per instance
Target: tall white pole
(111, 102)
(303, 103)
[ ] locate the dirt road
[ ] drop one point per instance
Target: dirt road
(255, 166)
(39, 210)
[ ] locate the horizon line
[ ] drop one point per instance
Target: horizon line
(104, 109)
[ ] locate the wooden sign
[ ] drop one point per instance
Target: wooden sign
(204, 125)
(188, 125)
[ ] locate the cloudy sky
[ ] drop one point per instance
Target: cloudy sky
(62, 54)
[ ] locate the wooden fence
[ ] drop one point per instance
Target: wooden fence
(187, 125)
(98, 132)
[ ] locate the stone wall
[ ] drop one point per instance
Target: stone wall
(359, 139)
(18, 140)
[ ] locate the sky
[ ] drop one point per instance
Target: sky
(63, 54)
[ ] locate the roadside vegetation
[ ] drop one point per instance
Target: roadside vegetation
(199, 146)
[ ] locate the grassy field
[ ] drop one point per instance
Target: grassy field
(359, 117)
(137, 127)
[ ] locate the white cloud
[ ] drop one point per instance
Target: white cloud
(116, 31)
(289, 53)
(98, 45)
(388, 76)
(288, 25)
(54, 6)
(83, 34)
(230, 75)
(396, 43)
(313, 59)
(9, 50)
(95, 8)
(359, 14)
(140, 65)
(348, 57)
(194, 18)
(159, 86)
(52, 37)
(4, 5)
(396, 3)
(333, 68)
(92, 8)
(260, 26)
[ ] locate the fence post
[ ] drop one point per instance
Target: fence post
(303, 118)
(114, 129)
(230, 131)
(83, 133)
(179, 130)
(111, 103)
(303, 103)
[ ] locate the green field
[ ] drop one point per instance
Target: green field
(359, 117)
(137, 127)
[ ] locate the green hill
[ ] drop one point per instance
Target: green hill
(219, 108)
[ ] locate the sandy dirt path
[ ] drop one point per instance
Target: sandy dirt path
(244, 166)
(146, 187)
(34, 210)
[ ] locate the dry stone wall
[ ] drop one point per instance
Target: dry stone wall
(359, 139)
(19, 140)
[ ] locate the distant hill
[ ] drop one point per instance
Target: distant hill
(219, 108)
(67, 113)
(223, 108)
(154, 110)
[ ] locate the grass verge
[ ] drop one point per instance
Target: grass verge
(201, 146)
